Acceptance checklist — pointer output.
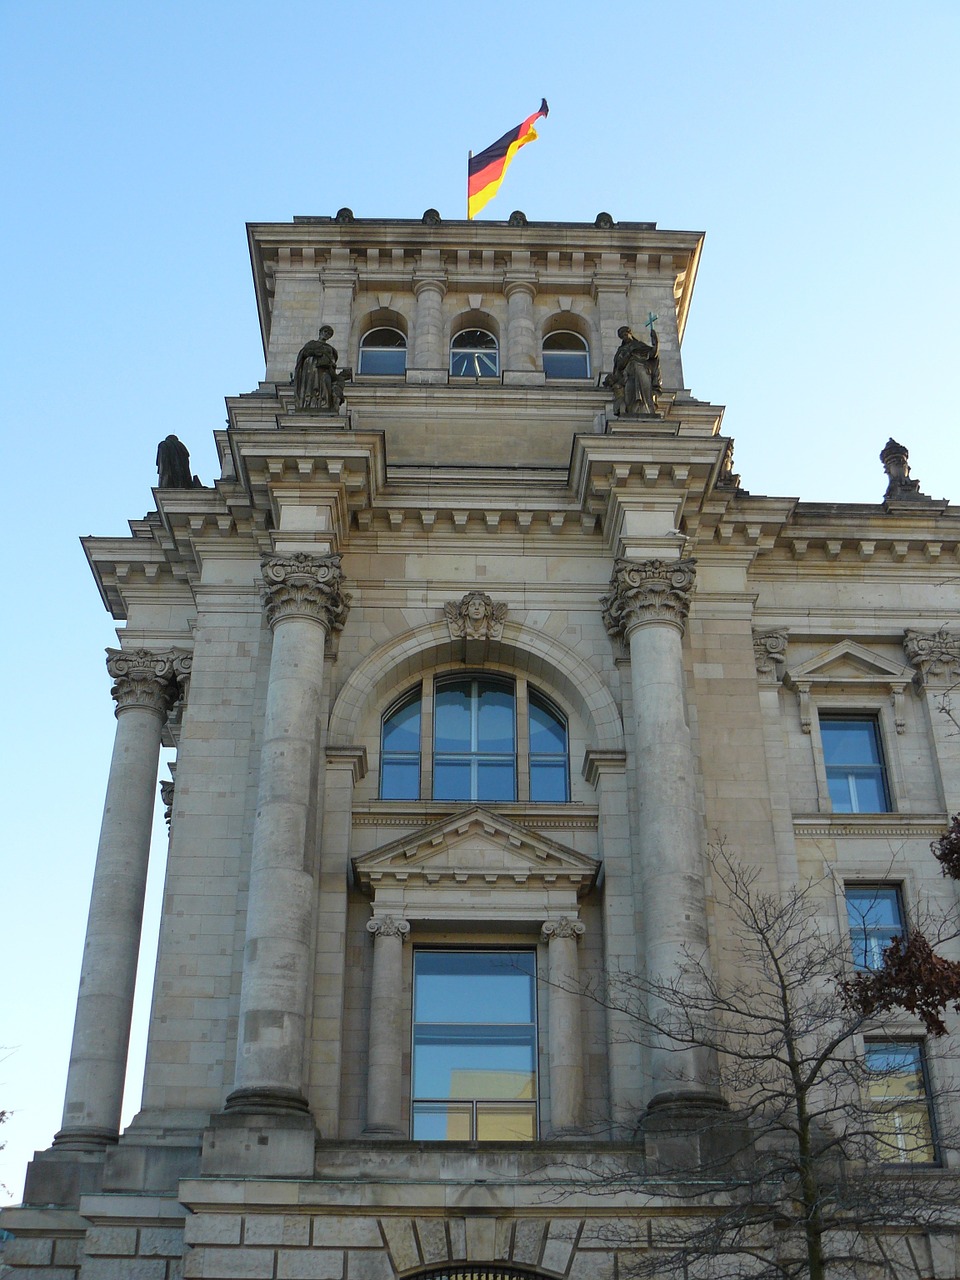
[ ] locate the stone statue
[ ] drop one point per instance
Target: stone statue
(894, 458)
(173, 465)
(315, 374)
(635, 380)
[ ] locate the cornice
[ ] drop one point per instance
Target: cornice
(902, 826)
(411, 815)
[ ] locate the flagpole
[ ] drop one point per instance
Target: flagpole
(469, 158)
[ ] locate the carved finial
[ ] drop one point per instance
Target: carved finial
(603, 221)
(475, 617)
(895, 457)
(431, 218)
(644, 591)
(517, 219)
(302, 586)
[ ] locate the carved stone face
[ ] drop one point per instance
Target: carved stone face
(625, 332)
(325, 332)
(476, 609)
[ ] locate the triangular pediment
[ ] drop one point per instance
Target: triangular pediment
(850, 663)
(476, 846)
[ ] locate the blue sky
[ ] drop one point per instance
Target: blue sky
(816, 144)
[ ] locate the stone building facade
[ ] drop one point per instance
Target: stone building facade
(463, 677)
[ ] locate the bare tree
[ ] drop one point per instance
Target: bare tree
(827, 1159)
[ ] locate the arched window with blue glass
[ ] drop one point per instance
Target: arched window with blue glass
(383, 353)
(481, 737)
(474, 353)
(565, 355)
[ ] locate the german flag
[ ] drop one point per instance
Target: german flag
(485, 171)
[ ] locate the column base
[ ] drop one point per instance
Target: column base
(85, 1138)
(684, 1133)
(267, 1100)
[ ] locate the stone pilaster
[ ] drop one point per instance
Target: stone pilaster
(304, 602)
(935, 656)
(647, 607)
(384, 1098)
(566, 1040)
(145, 688)
(770, 654)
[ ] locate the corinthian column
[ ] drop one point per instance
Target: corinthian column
(145, 688)
(935, 656)
(566, 1045)
(647, 606)
(386, 1028)
(304, 602)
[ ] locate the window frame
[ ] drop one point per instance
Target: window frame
(525, 761)
(881, 771)
(872, 941)
(477, 352)
(584, 350)
(891, 1044)
(501, 949)
(363, 347)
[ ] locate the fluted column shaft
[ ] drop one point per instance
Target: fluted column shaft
(304, 602)
(521, 332)
(145, 687)
(648, 604)
(428, 344)
(384, 1098)
(566, 1043)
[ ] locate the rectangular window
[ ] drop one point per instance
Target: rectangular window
(474, 1046)
(875, 915)
(899, 1101)
(856, 776)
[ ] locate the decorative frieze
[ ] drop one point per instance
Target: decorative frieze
(302, 586)
(475, 617)
(770, 652)
(562, 928)
(935, 654)
(142, 678)
(644, 591)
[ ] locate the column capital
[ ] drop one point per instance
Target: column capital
(428, 281)
(388, 927)
(524, 284)
(302, 586)
(770, 653)
(144, 678)
(562, 928)
(935, 654)
(648, 591)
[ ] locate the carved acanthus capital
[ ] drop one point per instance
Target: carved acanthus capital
(142, 678)
(770, 652)
(302, 586)
(643, 591)
(935, 654)
(388, 927)
(563, 928)
(475, 617)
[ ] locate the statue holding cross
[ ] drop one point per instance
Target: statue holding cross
(635, 380)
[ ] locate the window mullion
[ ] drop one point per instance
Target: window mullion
(522, 740)
(426, 738)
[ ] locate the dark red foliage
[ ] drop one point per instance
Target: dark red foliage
(946, 849)
(912, 977)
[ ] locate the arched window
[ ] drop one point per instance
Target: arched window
(476, 750)
(565, 355)
(474, 354)
(383, 352)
